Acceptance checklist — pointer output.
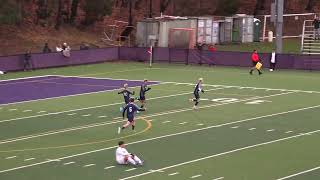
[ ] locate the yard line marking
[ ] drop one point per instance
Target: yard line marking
(165, 122)
(200, 124)
(29, 159)
(223, 153)
(218, 178)
(196, 176)
(172, 174)
(132, 169)
(28, 110)
(235, 127)
(11, 157)
(289, 132)
(30, 77)
(89, 165)
(165, 136)
(69, 163)
(297, 174)
(109, 167)
(183, 123)
(102, 116)
(13, 109)
(94, 107)
(42, 111)
(252, 129)
(57, 131)
(147, 116)
(71, 114)
(86, 115)
(270, 130)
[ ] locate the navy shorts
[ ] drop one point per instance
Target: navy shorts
(142, 98)
(196, 95)
(254, 63)
(130, 119)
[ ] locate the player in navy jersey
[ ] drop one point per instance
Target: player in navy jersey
(126, 95)
(131, 109)
(196, 94)
(143, 89)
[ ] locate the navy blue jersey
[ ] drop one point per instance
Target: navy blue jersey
(143, 89)
(198, 88)
(126, 95)
(131, 109)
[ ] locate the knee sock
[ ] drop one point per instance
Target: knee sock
(137, 160)
(131, 161)
(133, 127)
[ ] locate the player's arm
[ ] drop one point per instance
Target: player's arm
(132, 93)
(124, 110)
(121, 92)
(140, 109)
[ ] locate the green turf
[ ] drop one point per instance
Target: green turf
(290, 46)
(231, 139)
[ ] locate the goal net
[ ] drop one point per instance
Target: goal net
(292, 24)
(182, 38)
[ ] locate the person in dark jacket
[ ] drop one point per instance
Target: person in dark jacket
(46, 48)
(27, 64)
(316, 25)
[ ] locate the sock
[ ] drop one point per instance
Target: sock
(141, 106)
(133, 127)
(131, 161)
(196, 104)
(137, 160)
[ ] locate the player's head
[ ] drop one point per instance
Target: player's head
(121, 144)
(255, 51)
(131, 99)
(125, 86)
(201, 80)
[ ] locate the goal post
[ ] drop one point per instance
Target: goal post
(182, 38)
(292, 24)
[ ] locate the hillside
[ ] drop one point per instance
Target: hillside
(27, 24)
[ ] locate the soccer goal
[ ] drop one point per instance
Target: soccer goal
(182, 38)
(292, 24)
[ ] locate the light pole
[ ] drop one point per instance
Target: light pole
(277, 18)
(130, 13)
(150, 8)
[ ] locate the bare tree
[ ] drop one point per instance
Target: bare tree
(164, 4)
(310, 5)
(74, 10)
(58, 20)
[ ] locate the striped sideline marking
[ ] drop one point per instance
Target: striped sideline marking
(196, 176)
(218, 178)
(224, 153)
(94, 107)
(171, 135)
(172, 174)
(297, 174)
(147, 116)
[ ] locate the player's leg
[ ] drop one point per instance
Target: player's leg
(142, 101)
(196, 100)
(123, 127)
(130, 160)
(133, 124)
(137, 159)
(253, 67)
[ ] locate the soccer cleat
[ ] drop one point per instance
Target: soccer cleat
(190, 100)
(195, 107)
(121, 109)
(250, 72)
(119, 130)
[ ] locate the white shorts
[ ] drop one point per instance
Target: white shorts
(121, 161)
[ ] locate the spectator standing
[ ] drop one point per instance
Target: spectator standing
(316, 25)
(255, 60)
(273, 60)
(46, 48)
(27, 64)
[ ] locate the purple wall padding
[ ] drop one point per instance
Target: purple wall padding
(166, 55)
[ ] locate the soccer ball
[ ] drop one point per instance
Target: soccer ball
(271, 70)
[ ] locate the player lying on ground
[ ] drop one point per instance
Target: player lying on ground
(196, 94)
(131, 109)
(143, 89)
(126, 95)
(123, 157)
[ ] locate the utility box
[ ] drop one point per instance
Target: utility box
(242, 28)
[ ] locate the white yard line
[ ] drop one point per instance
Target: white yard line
(29, 159)
(196, 176)
(109, 167)
(132, 169)
(252, 129)
(165, 122)
(223, 153)
(69, 163)
(11, 157)
(166, 136)
(234, 127)
(89, 165)
(172, 174)
(270, 130)
(299, 173)
(146, 116)
(183, 123)
(94, 107)
(28, 110)
(30, 77)
(219, 178)
(57, 132)
(289, 132)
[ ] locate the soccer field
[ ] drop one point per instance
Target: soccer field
(61, 124)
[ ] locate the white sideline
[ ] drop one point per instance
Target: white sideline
(160, 137)
(297, 174)
(146, 116)
(93, 107)
(224, 153)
